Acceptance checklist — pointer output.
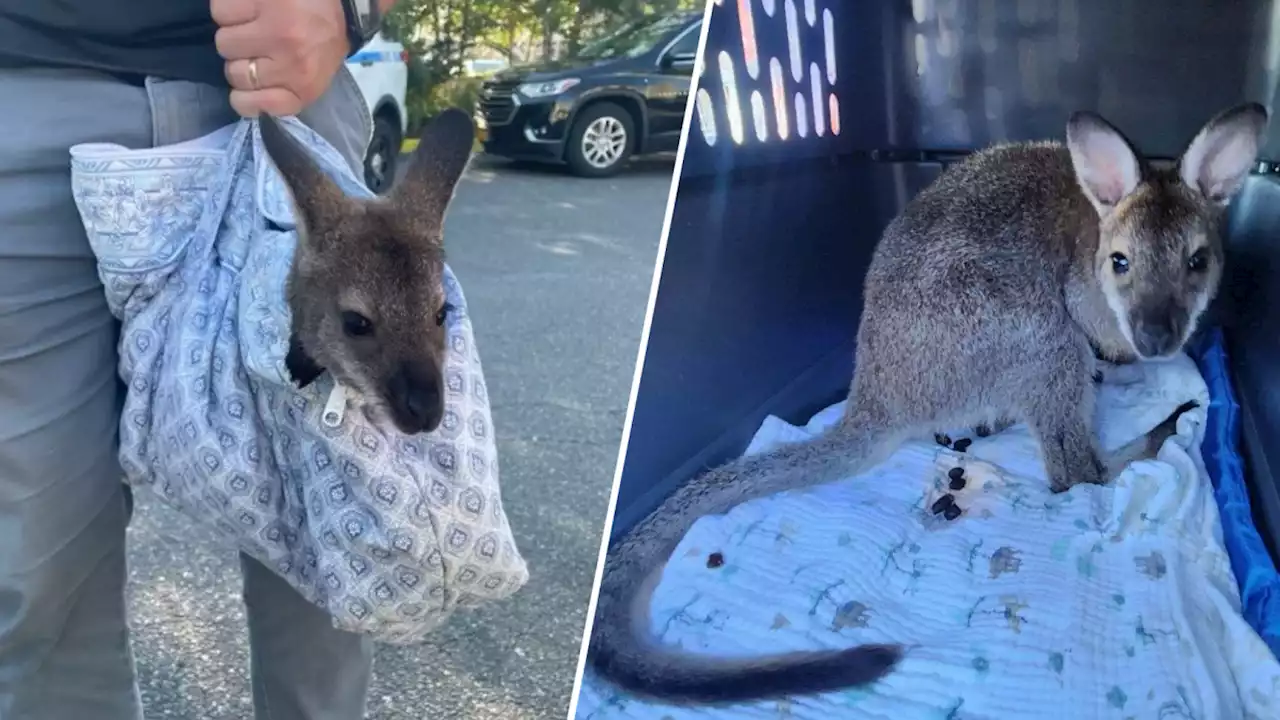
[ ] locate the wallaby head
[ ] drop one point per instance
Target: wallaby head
(366, 287)
(1159, 257)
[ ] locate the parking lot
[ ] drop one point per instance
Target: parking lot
(557, 272)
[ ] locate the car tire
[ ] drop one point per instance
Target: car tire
(384, 151)
(601, 141)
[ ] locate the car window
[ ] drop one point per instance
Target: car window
(632, 40)
(688, 43)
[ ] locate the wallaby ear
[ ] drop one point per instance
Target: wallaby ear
(1218, 160)
(301, 366)
(436, 166)
(1106, 166)
(317, 199)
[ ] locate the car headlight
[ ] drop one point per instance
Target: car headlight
(548, 88)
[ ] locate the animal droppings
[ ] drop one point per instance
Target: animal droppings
(942, 440)
(957, 483)
(955, 473)
(952, 512)
(715, 560)
(943, 503)
(962, 444)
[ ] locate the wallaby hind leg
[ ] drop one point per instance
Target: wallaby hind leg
(1147, 446)
(1060, 413)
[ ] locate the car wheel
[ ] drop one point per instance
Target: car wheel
(384, 150)
(602, 139)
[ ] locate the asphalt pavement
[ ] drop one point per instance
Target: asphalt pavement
(557, 272)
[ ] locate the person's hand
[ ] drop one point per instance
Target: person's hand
(280, 55)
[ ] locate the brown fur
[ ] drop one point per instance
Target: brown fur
(986, 301)
(365, 289)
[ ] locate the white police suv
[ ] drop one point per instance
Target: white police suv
(380, 68)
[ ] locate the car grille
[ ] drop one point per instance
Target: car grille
(498, 102)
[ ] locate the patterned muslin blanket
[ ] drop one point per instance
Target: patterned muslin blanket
(1102, 602)
(389, 533)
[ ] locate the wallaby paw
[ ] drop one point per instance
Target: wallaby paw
(1061, 485)
(1179, 411)
(1168, 427)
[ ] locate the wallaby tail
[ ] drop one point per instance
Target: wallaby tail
(622, 650)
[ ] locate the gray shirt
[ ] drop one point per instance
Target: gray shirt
(130, 38)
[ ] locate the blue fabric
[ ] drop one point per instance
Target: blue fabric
(1254, 569)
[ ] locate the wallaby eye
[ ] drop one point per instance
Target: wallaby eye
(443, 313)
(355, 324)
(1119, 263)
(1199, 261)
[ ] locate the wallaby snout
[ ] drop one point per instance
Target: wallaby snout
(366, 288)
(415, 397)
(1158, 332)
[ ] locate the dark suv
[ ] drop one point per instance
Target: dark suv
(621, 96)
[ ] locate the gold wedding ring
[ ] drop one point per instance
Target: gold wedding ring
(253, 74)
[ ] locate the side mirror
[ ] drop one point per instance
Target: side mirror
(679, 61)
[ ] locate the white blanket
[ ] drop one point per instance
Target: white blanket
(1102, 602)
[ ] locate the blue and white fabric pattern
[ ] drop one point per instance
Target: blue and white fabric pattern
(390, 533)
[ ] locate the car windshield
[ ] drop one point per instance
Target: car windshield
(633, 39)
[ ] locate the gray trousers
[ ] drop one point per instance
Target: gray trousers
(64, 641)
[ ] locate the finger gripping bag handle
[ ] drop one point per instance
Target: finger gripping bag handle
(389, 533)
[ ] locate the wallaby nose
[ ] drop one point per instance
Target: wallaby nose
(1156, 335)
(416, 402)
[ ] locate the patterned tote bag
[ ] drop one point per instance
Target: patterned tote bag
(389, 533)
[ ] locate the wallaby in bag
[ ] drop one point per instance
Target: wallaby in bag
(389, 532)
